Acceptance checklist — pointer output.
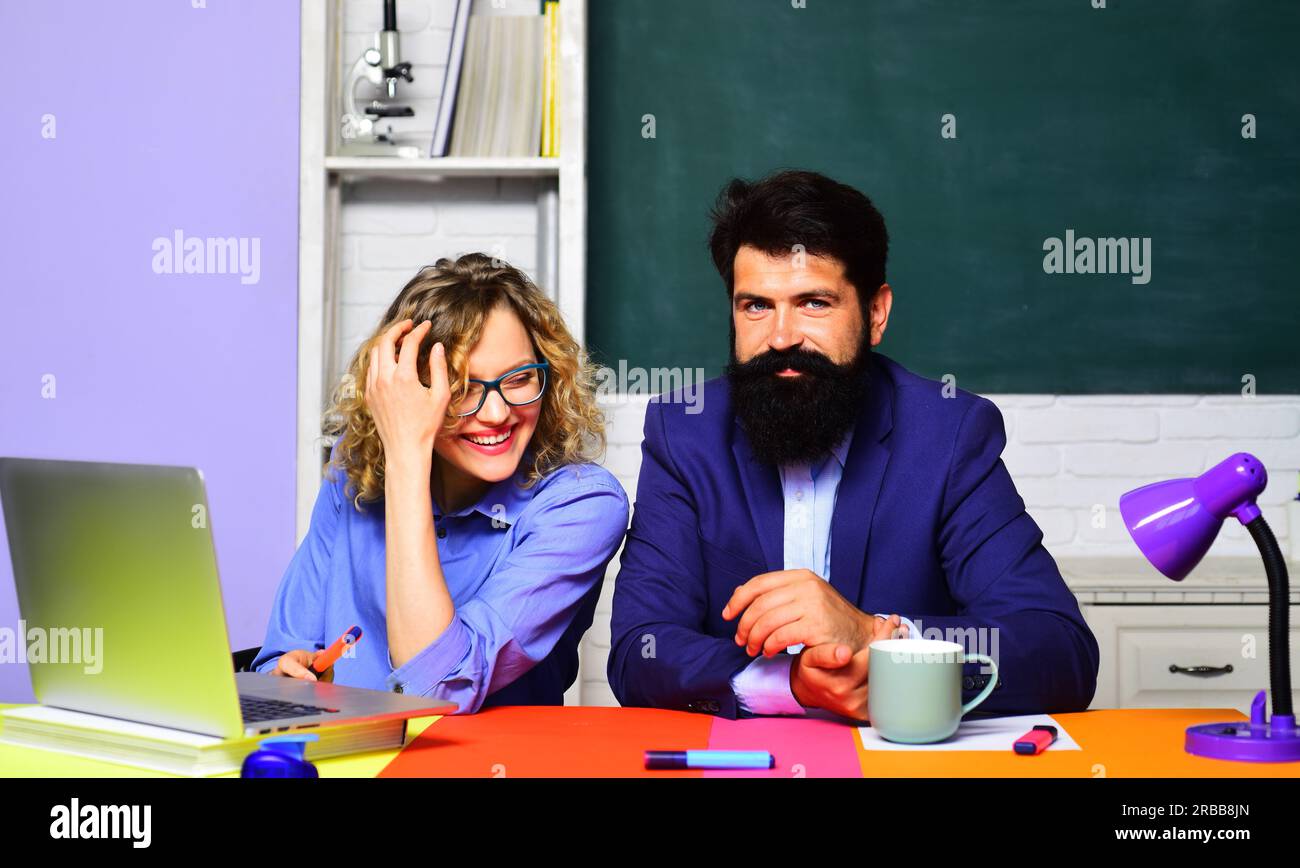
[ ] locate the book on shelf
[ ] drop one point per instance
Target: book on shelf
(551, 82)
(501, 92)
(451, 80)
(172, 750)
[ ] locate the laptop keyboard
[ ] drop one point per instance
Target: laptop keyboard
(255, 709)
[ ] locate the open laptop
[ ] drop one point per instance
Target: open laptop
(115, 563)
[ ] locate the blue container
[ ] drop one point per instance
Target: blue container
(282, 756)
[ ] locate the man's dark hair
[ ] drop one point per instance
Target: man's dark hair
(795, 207)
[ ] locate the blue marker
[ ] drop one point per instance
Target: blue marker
(709, 759)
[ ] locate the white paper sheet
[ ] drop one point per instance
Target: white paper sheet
(989, 733)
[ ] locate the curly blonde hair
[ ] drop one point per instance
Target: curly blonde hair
(457, 296)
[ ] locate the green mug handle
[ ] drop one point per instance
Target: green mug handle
(988, 688)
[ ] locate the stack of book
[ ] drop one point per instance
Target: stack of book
(172, 750)
(500, 95)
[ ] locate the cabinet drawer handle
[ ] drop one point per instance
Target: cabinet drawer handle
(1201, 671)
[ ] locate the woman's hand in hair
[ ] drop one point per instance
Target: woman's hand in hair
(408, 415)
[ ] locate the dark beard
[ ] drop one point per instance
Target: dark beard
(797, 419)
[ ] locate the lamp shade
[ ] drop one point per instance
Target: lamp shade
(1175, 522)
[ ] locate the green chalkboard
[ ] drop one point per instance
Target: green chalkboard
(1122, 122)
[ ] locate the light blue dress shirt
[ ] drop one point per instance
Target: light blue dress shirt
(809, 491)
(517, 564)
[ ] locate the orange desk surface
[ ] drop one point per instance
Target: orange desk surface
(608, 742)
(603, 742)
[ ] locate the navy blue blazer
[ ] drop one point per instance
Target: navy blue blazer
(927, 524)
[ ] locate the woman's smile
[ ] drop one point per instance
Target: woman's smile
(490, 441)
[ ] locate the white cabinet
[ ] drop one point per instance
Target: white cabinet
(1145, 624)
(1147, 652)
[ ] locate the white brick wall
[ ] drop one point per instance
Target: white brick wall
(390, 228)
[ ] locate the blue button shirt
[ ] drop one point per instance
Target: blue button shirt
(518, 564)
(809, 492)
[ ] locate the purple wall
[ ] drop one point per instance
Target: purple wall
(166, 118)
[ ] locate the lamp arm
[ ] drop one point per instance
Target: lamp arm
(1279, 604)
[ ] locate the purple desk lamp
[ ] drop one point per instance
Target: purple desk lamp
(1174, 523)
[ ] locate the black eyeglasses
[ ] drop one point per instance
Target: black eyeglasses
(523, 385)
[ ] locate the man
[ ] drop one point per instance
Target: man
(823, 484)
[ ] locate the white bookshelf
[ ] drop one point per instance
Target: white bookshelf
(443, 167)
(561, 208)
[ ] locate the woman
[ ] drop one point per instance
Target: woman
(468, 535)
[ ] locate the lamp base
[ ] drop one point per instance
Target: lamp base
(1255, 741)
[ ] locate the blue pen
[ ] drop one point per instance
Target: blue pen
(709, 759)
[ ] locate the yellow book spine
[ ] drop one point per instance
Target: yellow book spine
(546, 80)
(553, 89)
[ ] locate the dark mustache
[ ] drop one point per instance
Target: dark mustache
(771, 362)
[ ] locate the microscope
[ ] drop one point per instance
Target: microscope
(382, 66)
